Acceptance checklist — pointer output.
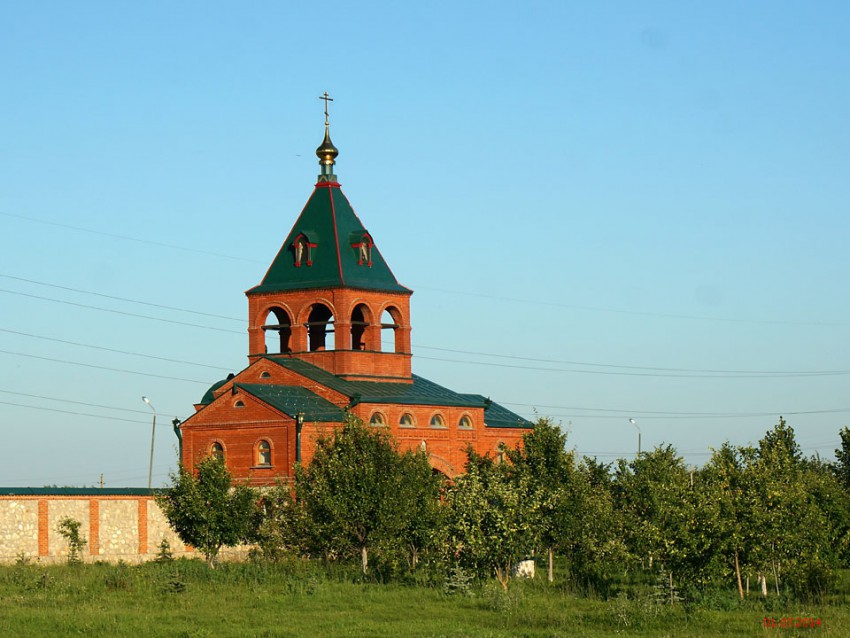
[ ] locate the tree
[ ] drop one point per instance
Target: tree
(662, 518)
(358, 491)
(69, 529)
(544, 472)
(281, 525)
(421, 520)
(206, 510)
(488, 527)
(842, 459)
(728, 492)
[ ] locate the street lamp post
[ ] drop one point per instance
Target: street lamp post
(634, 423)
(153, 433)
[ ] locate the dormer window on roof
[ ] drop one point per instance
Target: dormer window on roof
(364, 250)
(303, 250)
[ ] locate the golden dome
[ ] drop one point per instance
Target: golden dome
(327, 152)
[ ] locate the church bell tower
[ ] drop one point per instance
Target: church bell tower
(329, 297)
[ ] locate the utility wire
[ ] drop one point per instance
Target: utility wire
(688, 371)
(94, 416)
(118, 312)
(90, 405)
(116, 298)
(127, 238)
(89, 365)
(457, 292)
(635, 312)
(643, 374)
(93, 347)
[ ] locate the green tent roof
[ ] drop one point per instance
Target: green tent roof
(333, 230)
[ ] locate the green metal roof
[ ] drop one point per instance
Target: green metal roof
(209, 394)
(329, 222)
(292, 400)
(420, 392)
(498, 416)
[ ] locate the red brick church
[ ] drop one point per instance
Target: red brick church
(329, 332)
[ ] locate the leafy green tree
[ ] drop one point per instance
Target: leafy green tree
(795, 540)
(663, 522)
(488, 527)
(281, 525)
(360, 492)
(728, 493)
(545, 474)
(421, 520)
(69, 529)
(206, 510)
(594, 545)
(842, 459)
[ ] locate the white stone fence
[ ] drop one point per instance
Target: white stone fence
(119, 524)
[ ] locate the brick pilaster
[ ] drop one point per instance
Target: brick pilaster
(94, 527)
(143, 526)
(43, 528)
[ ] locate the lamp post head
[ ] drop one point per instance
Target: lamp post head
(148, 401)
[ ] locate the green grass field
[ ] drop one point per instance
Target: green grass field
(185, 599)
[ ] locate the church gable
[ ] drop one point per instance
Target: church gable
(233, 407)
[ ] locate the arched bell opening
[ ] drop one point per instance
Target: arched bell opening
(390, 333)
(320, 328)
(360, 320)
(278, 331)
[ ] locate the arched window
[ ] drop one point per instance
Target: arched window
(500, 452)
(302, 249)
(437, 421)
(363, 246)
(239, 403)
(217, 451)
(264, 453)
(390, 334)
(423, 446)
(406, 420)
(278, 330)
(359, 324)
(465, 423)
(320, 328)
(377, 419)
(265, 374)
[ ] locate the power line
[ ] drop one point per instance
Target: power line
(90, 405)
(118, 312)
(457, 292)
(94, 416)
(628, 367)
(116, 298)
(644, 374)
(127, 238)
(105, 349)
(655, 414)
(683, 372)
(89, 365)
(636, 312)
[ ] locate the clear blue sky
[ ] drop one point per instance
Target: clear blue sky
(605, 209)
